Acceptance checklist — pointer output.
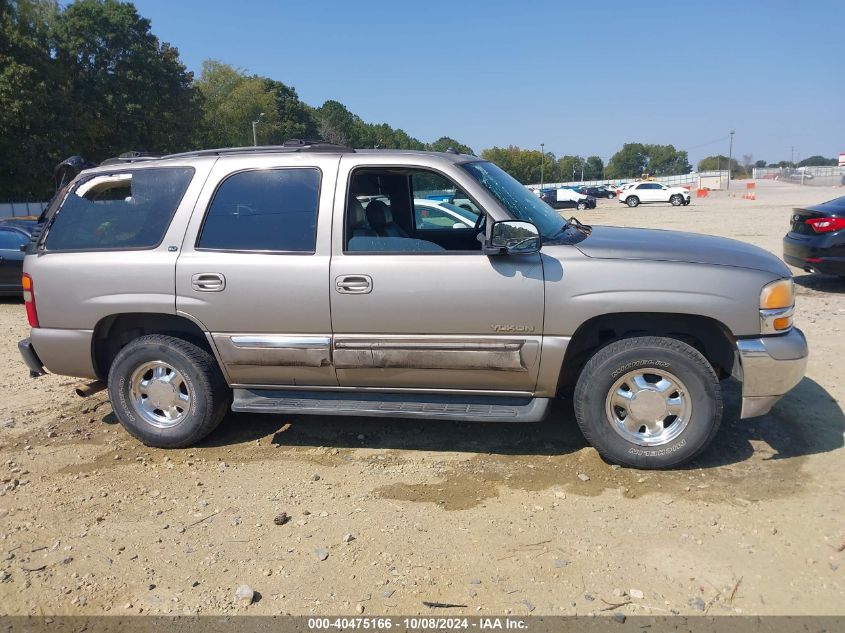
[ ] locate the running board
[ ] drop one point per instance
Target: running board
(392, 405)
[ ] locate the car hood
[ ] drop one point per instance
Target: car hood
(612, 242)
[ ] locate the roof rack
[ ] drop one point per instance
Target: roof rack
(291, 145)
(131, 157)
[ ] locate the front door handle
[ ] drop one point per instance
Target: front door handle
(354, 284)
(208, 282)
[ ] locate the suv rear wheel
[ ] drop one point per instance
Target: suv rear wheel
(167, 392)
(632, 201)
(648, 402)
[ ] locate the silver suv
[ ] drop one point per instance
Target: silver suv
(304, 279)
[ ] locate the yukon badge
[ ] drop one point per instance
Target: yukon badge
(509, 327)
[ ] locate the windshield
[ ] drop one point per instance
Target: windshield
(517, 199)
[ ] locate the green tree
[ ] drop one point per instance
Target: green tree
(760, 164)
(445, 142)
(29, 122)
(593, 168)
(715, 163)
(635, 159)
(123, 89)
(336, 124)
(522, 164)
(569, 168)
(818, 161)
(233, 100)
(628, 162)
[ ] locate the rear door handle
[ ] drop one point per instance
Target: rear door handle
(354, 284)
(208, 282)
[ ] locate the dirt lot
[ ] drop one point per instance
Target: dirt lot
(495, 517)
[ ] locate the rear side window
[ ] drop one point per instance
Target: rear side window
(123, 210)
(264, 210)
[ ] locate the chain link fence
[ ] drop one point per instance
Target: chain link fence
(811, 176)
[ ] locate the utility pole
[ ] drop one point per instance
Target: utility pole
(254, 123)
(542, 163)
(730, 157)
(582, 171)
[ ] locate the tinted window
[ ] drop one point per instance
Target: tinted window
(11, 240)
(264, 210)
(128, 210)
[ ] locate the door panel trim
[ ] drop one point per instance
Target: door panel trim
(275, 351)
(489, 354)
(464, 392)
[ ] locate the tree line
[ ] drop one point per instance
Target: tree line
(632, 161)
(90, 78)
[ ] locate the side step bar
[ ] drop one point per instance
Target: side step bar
(392, 405)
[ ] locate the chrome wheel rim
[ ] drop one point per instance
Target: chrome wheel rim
(676, 201)
(632, 202)
(648, 407)
(160, 395)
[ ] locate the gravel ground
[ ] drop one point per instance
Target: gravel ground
(387, 514)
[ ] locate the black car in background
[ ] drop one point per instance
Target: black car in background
(597, 192)
(816, 242)
(14, 233)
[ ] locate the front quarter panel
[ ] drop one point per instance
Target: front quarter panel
(579, 288)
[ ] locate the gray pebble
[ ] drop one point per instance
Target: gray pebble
(244, 594)
(583, 477)
(321, 553)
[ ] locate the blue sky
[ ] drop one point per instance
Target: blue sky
(583, 78)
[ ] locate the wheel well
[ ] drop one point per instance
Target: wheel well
(708, 336)
(114, 332)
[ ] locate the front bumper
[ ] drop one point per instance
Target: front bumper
(36, 367)
(771, 366)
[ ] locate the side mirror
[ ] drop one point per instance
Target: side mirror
(512, 237)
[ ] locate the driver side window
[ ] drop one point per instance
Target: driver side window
(402, 210)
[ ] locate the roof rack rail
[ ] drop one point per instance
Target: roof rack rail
(291, 145)
(131, 157)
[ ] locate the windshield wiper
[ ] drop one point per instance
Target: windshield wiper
(586, 229)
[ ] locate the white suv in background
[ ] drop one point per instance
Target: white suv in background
(636, 193)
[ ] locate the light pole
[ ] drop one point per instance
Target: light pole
(254, 123)
(542, 163)
(730, 157)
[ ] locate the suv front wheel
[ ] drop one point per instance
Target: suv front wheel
(167, 392)
(648, 402)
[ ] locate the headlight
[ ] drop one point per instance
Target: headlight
(778, 294)
(777, 304)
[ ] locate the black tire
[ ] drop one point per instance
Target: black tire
(581, 206)
(611, 364)
(611, 196)
(632, 201)
(676, 200)
(201, 378)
